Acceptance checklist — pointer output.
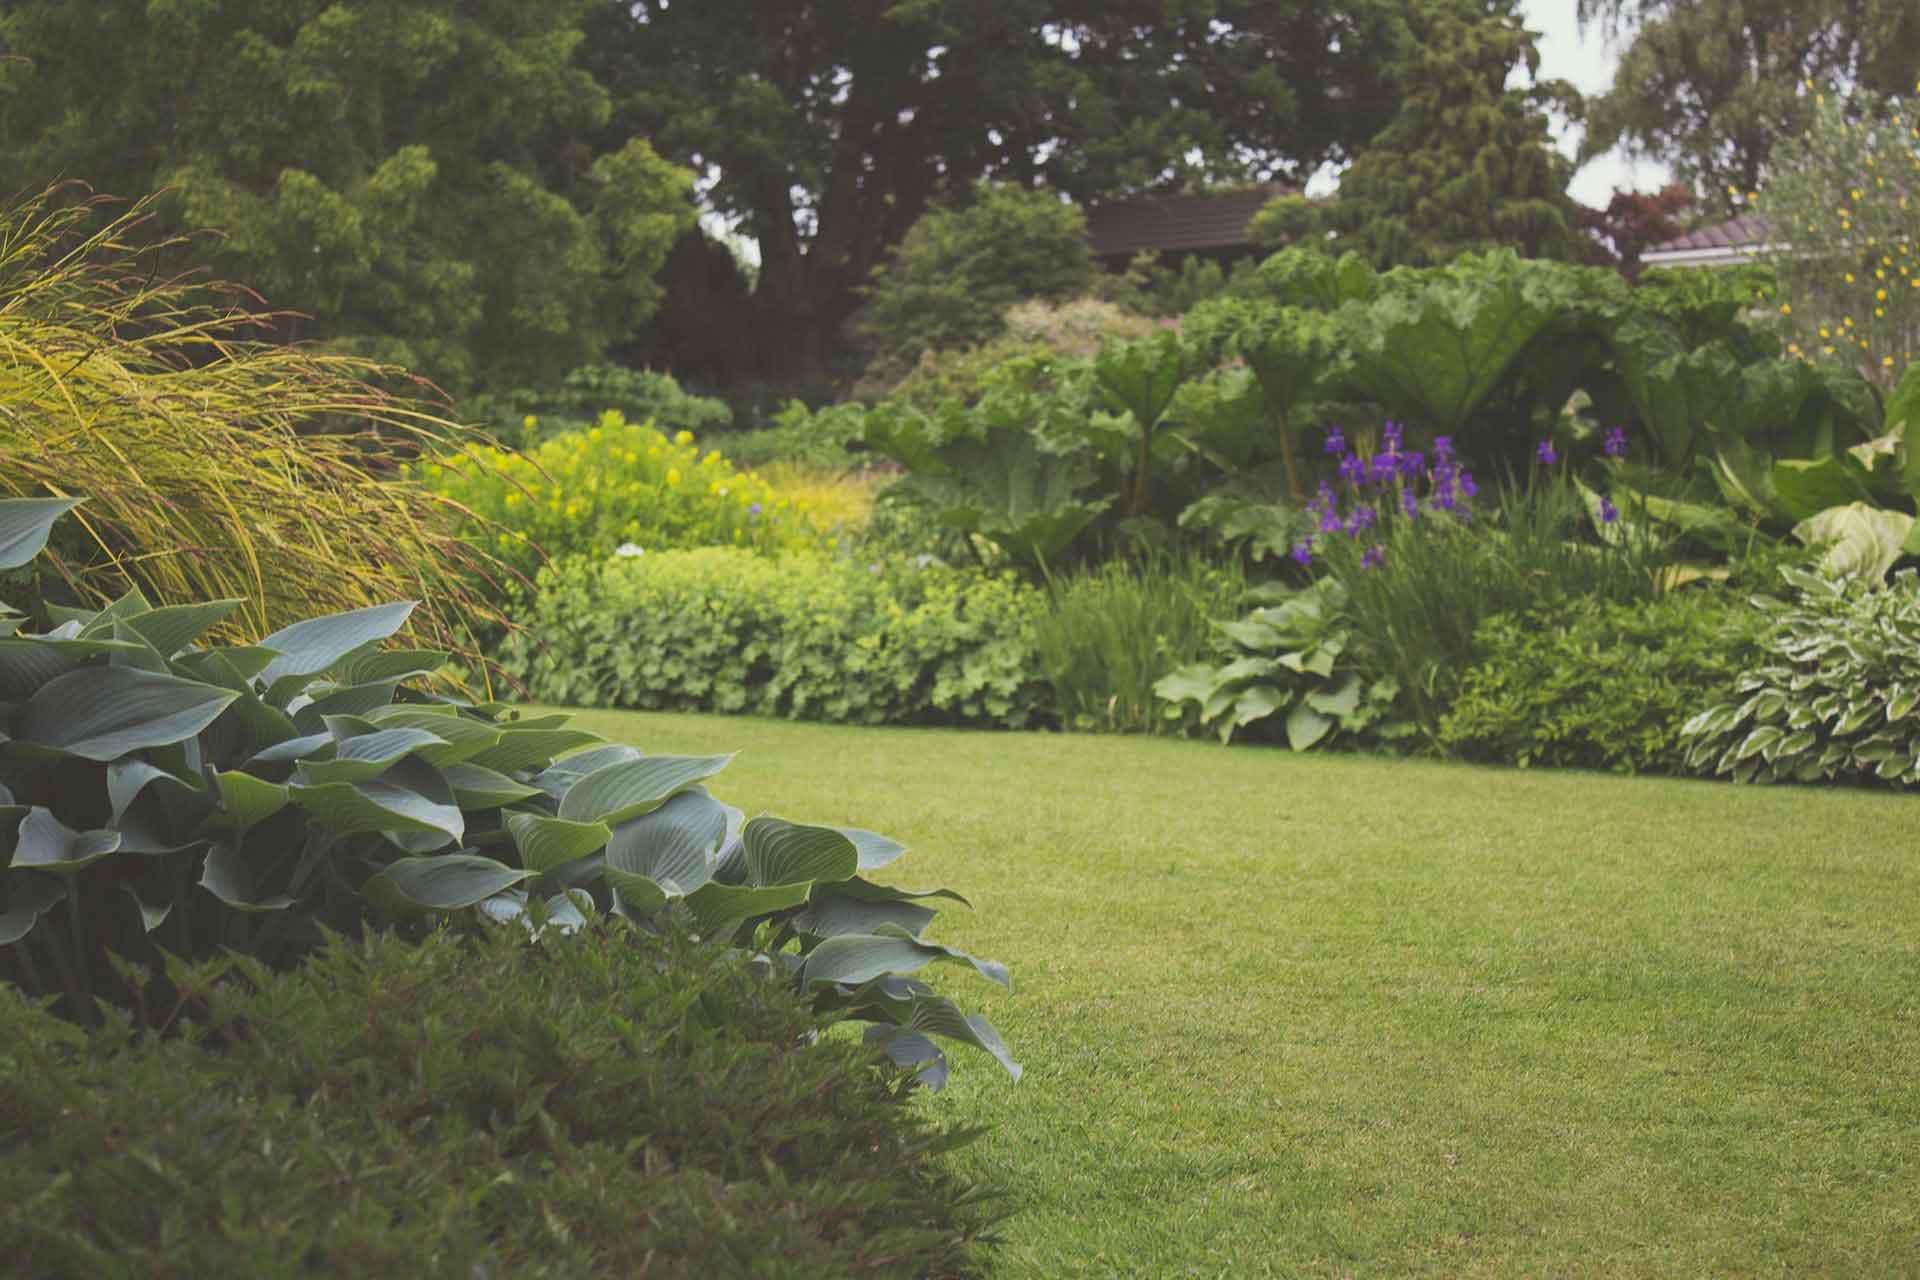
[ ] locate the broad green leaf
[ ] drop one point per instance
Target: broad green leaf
(782, 852)
(323, 702)
(171, 628)
(715, 906)
(861, 890)
(1804, 488)
(47, 844)
(372, 665)
(233, 667)
(633, 893)
(674, 846)
(522, 748)
(246, 801)
(102, 713)
(1191, 683)
(312, 646)
(875, 850)
(852, 959)
(153, 912)
(830, 916)
(461, 737)
(1861, 540)
(448, 882)
(938, 1016)
(544, 843)
(475, 788)
(24, 898)
(395, 801)
(1142, 376)
(312, 746)
(364, 757)
(909, 1050)
(129, 776)
(627, 790)
(25, 524)
(1343, 701)
(1305, 726)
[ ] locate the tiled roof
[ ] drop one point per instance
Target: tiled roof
(1174, 223)
(1736, 233)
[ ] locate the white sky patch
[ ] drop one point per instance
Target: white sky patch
(1587, 62)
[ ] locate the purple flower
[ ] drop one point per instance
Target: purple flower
(1336, 441)
(1410, 463)
(1302, 552)
(1409, 505)
(1442, 449)
(1352, 470)
(1545, 455)
(1375, 554)
(754, 510)
(1608, 512)
(1467, 487)
(1365, 517)
(1385, 467)
(1391, 434)
(1329, 521)
(1616, 444)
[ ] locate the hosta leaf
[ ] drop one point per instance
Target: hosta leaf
(866, 891)
(1253, 704)
(852, 959)
(372, 665)
(1757, 741)
(545, 843)
(715, 906)
(475, 788)
(24, 525)
(312, 646)
(629, 789)
(634, 894)
(1901, 699)
(153, 911)
(173, 627)
(387, 803)
(448, 882)
(228, 874)
(831, 916)
(47, 844)
(246, 801)
(1191, 683)
(102, 713)
(938, 1016)
(364, 757)
(461, 737)
(673, 847)
(909, 1050)
(522, 748)
(782, 852)
(24, 898)
(324, 702)
(128, 777)
(1305, 726)
(875, 850)
(312, 746)
(1343, 701)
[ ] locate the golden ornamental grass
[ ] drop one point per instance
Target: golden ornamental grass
(216, 463)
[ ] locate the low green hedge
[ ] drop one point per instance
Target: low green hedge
(807, 637)
(1592, 685)
(580, 1106)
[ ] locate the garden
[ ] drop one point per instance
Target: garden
(1387, 771)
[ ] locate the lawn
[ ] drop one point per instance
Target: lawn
(1322, 1015)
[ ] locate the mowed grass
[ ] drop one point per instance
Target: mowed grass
(1322, 1015)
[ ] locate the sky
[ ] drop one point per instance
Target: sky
(1588, 64)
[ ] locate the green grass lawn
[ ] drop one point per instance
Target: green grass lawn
(1315, 1015)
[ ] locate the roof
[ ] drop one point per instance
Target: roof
(1727, 243)
(1175, 223)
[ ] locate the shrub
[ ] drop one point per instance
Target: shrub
(613, 483)
(1593, 684)
(613, 1103)
(219, 464)
(284, 780)
(1108, 634)
(519, 418)
(801, 636)
(814, 438)
(1832, 696)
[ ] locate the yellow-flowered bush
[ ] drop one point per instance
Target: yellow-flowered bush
(620, 483)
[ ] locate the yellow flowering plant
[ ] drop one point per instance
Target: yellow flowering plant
(1843, 210)
(619, 484)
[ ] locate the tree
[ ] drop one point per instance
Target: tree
(825, 128)
(1466, 163)
(1632, 223)
(1706, 86)
(1842, 202)
(418, 176)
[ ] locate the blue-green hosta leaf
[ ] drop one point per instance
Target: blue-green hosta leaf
(1861, 539)
(1191, 683)
(371, 665)
(448, 882)
(47, 844)
(475, 788)
(310, 647)
(875, 850)
(782, 852)
(173, 627)
(715, 905)
(461, 737)
(853, 959)
(392, 802)
(312, 746)
(862, 890)
(557, 778)
(634, 895)
(910, 1050)
(1254, 633)
(829, 917)
(544, 843)
(674, 846)
(129, 776)
(24, 898)
(233, 667)
(154, 909)
(1305, 726)
(1343, 701)
(102, 713)
(324, 702)
(246, 801)
(524, 747)
(231, 873)
(627, 790)
(24, 525)
(364, 757)
(938, 1016)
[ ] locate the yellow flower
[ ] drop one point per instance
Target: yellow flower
(1855, 193)
(513, 499)
(573, 509)
(1827, 350)
(673, 475)
(1786, 309)
(684, 437)
(1886, 362)
(712, 457)
(1848, 277)
(631, 457)
(594, 435)
(1824, 332)
(529, 422)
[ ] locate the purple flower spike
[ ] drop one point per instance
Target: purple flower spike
(1352, 470)
(1410, 463)
(1329, 521)
(1442, 449)
(1302, 552)
(1336, 441)
(1467, 487)
(1409, 505)
(1375, 555)
(1616, 444)
(1545, 455)
(1391, 433)
(1366, 517)
(754, 510)
(1608, 512)
(1385, 467)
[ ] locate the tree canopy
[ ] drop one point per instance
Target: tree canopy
(1466, 164)
(430, 180)
(827, 127)
(1708, 86)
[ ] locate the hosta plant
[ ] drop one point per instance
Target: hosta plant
(1834, 697)
(1288, 656)
(161, 795)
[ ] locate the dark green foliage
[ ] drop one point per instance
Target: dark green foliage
(815, 438)
(1467, 163)
(803, 637)
(1832, 695)
(951, 279)
(416, 176)
(612, 1103)
(1108, 634)
(1591, 684)
(638, 395)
